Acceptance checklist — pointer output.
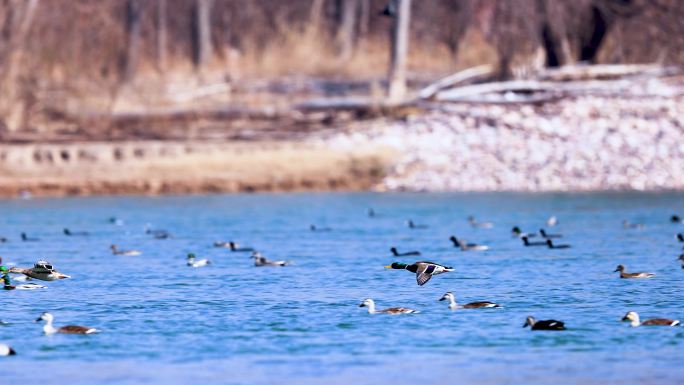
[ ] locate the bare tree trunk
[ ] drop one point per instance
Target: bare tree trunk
(315, 17)
(364, 17)
(13, 103)
(400, 39)
(133, 33)
(346, 34)
(202, 32)
(162, 34)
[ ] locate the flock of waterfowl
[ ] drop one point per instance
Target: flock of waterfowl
(423, 270)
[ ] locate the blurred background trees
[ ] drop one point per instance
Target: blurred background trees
(67, 51)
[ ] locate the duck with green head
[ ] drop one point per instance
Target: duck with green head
(424, 270)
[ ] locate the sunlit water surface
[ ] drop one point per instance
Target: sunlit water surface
(233, 323)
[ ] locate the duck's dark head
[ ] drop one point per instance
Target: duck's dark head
(619, 268)
(675, 218)
(542, 232)
(396, 266)
(394, 250)
(67, 232)
(447, 296)
(23, 236)
(516, 230)
(680, 237)
(681, 257)
(455, 240)
(530, 321)
(191, 256)
(525, 240)
(549, 242)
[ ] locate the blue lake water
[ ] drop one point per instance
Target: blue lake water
(232, 323)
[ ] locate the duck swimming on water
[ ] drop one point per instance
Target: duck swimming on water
(635, 321)
(406, 254)
(370, 304)
(629, 225)
(70, 233)
(412, 225)
(472, 305)
(319, 229)
(6, 350)
(467, 246)
(26, 238)
(517, 233)
(42, 270)
(192, 261)
(480, 225)
(260, 260)
(128, 253)
(551, 324)
(69, 329)
(424, 270)
(234, 247)
(623, 274)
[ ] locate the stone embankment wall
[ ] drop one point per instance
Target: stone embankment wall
(185, 167)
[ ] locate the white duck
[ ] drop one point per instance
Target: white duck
(472, 305)
(370, 304)
(194, 262)
(69, 329)
(6, 350)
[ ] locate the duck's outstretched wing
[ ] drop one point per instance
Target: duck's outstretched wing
(424, 273)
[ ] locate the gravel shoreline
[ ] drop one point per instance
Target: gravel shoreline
(619, 141)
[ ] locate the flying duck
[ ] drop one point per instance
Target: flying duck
(552, 221)
(26, 238)
(370, 304)
(546, 235)
(319, 229)
(621, 269)
(527, 243)
(406, 254)
(128, 253)
(634, 318)
(69, 329)
(550, 324)
(412, 225)
(467, 246)
(6, 350)
(629, 225)
(481, 225)
(194, 262)
(260, 260)
(424, 270)
(41, 270)
(472, 305)
(675, 218)
(70, 233)
(680, 237)
(551, 245)
(517, 233)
